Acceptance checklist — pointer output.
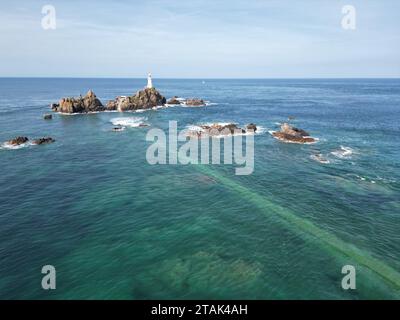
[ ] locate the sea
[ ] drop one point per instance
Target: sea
(115, 226)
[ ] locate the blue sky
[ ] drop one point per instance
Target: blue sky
(201, 39)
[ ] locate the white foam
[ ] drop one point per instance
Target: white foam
(9, 146)
(343, 152)
(132, 122)
(218, 123)
(79, 113)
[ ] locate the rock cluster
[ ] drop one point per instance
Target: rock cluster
(217, 129)
(192, 102)
(21, 140)
(88, 103)
(143, 99)
(291, 134)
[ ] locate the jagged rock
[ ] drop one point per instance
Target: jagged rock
(195, 102)
(173, 100)
(88, 103)
(43, 140)
(112, 105)
(18, 141)
(292, 134)
(288, 129)
(143, 99)
(47, 117)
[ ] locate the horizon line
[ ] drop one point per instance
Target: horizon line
(198, 78)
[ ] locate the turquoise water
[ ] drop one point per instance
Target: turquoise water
(116, 227)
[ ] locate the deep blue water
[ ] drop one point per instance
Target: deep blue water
(116, 227)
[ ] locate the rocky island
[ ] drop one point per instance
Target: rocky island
(292, 134)
(144, 99)
(86, 104)
(147, 98)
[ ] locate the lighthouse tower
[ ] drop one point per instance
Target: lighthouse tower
(149, 82)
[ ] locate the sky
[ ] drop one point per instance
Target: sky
(200, 39)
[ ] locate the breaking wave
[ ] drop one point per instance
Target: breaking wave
(343, 152)
(132, 122)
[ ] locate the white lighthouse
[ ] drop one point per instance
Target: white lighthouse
(149, 82)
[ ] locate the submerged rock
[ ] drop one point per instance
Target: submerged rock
(43, 140)
(17, 141)
(143, 99)
(319, 158)
(88, 103)
(118, 129)
(47, 117)
(293, 135)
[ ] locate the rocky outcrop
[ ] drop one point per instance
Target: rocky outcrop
(88, 103)
(173, 100)
(217, 129)
(195, 102)
(113, 104)
(251, 127)
(17, 141)
(43, 140)
(143, 99)
(293, 135)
